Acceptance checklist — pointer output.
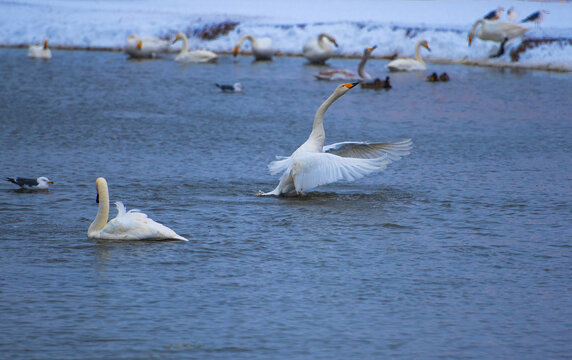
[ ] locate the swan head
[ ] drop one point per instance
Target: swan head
(179, 36)
(368, 51)
(425, 44)
(139, 44)
(45, 44)
(235, 51)
(330, 37)
(470, 39)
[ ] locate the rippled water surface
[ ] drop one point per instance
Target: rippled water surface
(460, 250)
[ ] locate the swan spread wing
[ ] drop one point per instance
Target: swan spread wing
(363, 150)
(310, 170)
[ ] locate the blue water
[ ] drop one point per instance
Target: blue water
(462, 249)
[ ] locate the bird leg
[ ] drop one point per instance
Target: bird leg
(501, 49)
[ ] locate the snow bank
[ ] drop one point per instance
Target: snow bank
(394, 26)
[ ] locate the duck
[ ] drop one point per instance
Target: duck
(444, 77)
(348, 75)
(40, 51)
(261, 47)
(127, 225)
(187, 56)
(409, 64)
(377, 84)
(313, 164)
(494, 14)
(145, 47)
(27, 184)
(433, 77)
(497, 31)
(319, 50)
(236, 87)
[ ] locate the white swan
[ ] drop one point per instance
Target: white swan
(131, 225)
(410, 64)
(261, 47)
(314, 164)
(40, 51)
(193, 56)
(145, 46)
(497, 31)
(348, 75)
(319, 50)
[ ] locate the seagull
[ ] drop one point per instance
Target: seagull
(536, 17)
(39, 184)
(237, 87)
(495, 14)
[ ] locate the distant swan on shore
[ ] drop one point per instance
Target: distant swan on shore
(145, 47)
(261, 47)
(497, 31)
(193, 56)
(408, 64)
(127, 225)
(319, 50)
(40, 51)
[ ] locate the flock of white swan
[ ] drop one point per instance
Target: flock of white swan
(312, 164)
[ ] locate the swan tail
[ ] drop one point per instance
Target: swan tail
(121, 210)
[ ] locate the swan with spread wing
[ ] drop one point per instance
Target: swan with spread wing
(314, 164)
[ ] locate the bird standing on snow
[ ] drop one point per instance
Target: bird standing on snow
(536, 17)
(237, 87)
(495, 14)
(39, 184)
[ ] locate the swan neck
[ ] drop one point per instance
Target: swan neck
(474, 29)
(185, 44)
(103, 210)
(246, 37)
(361, 66)
(318, 132)
(418, 53)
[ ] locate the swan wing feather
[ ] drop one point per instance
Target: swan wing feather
(310, 170)
(363, 150)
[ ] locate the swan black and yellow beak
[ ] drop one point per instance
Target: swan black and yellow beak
(335, 43)
(351, 85)
(139, 45)
(235, 51)
(372, 48)
(46, 44)
(470, 40)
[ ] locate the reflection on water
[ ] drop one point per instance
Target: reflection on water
(459, 249)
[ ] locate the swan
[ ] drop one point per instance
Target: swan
(319, 50)
(193, 56)
(348, 75)
(498, 31)
(127, 225)
(145, 47)
(39, 184)
(314, 164)
(40, 51)
(261, 47)
(410, 64)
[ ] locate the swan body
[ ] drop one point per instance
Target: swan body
(314, 164)
(127, 225)
(145, 47)
(261, 47)
(193, 56)
(40, 51)
(498, 31)
(416, 64)
(348, 75)
(319, 50)
(39, 184)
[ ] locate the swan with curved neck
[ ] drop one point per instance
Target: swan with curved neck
(261, 47)
(497, 31)
(193, 56)
(319, 50)
(314, 164)
(139, 47)
(131, 225)
(40, 51)
(348, 75)
(410, 64)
